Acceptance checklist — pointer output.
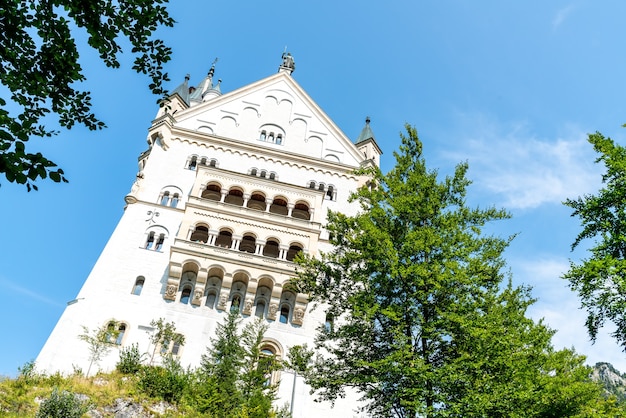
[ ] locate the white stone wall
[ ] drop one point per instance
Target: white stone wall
(225, 129)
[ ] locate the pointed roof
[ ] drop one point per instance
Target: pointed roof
(205, 85)
(366, 132)
(214, 90)
(183, 90)
(312, 121)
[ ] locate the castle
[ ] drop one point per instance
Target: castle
(232, 186)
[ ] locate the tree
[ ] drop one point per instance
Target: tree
(298, 361)
(600, 280)
(39, 66)
(424, 324)
(100, 340)
(164, 337)
(234, 378)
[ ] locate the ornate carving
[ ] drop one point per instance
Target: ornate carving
(197, 295)
(222, 302)
(170, 292)
(247, 307)
(298, 316)
(272, 312)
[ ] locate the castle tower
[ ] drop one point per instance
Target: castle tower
(232, 186)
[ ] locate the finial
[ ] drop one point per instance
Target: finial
(288, 63)
(367, 120)
(187, 77)
(212, 70)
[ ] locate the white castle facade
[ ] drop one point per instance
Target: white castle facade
(231, 188)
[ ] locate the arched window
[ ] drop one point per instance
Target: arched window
(213, 163)
(171, 347)
(210, 300)
(203, 161)
(165, 198)
(312, 185)
(271, 249)
(253, 172)
(159, 243)
(235, 304)
(193, 163)
(200, 234)
(175, 348)
(150, 240)
(248, 244)
(138, 287)
(321, 187)
(284, 314)
(257, 201)
(279, 139)
(270, 137)
(234, 197)
(170, 196)
(263, 174)
(121, 330)
(185, 295)
(301, 211)
(293, 250)
(279, 206)
(263, 136)
(212, 192)
(224, 239)
(272, 176)
(268, 363)
(115, 332)
(260, 309)
(330, 193)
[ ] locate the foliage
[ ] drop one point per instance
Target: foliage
(600, 280)
(27, 371)
(17, 396)
(164, 335)
(299, 359)
(130, 360)
(425, 325)
(233, 379)
(39, 66)
(100, 341)
(62, 404)
(168, 382)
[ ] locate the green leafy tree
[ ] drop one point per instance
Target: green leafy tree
(423, 323)
(600, 280)
(100, 340)
(39, 66)
(164, 336)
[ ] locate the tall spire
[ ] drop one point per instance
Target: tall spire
(205, 85)
(366, 132)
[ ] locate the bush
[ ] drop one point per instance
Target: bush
(62, 404)
(130, 360)
(167, 383)
(27, 371)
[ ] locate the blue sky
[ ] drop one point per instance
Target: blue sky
(511, 87)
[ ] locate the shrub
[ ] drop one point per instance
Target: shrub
(62, 404)
(27, 371)
(167, 383)
(130, 360)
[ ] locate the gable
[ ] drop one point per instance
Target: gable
(275, 113)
